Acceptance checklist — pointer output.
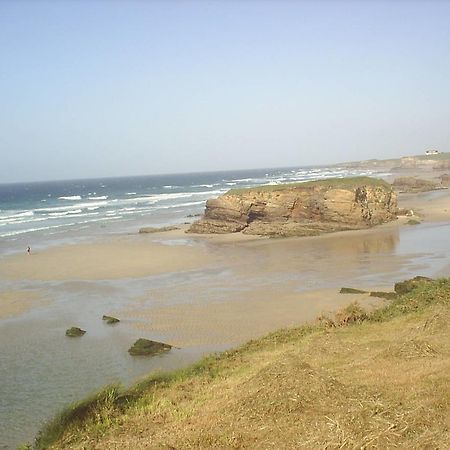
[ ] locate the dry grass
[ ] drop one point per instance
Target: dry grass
(374, 381)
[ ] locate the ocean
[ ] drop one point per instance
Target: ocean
(40, 214)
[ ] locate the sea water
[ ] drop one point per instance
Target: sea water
(45, 213)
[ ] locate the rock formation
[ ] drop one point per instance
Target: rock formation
(413, 184)
(300, 209)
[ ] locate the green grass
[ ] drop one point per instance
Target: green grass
(175, 396)
(343, 183)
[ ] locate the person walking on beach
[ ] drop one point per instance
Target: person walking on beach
(29, 250)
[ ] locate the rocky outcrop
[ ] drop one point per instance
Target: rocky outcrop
(440, 161)
(445, 180)
(413, 184)
(300, 209)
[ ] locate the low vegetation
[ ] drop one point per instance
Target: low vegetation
(342, 183)
(357, 380)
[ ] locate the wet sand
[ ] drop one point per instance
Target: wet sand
(16, 302)
(238, 320)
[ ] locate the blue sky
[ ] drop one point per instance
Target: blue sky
(110, 88)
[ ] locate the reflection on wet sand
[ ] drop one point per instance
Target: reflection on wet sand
(265, 284)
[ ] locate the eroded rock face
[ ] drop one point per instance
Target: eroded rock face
(300, 209)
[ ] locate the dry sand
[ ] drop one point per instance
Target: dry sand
(124, 257)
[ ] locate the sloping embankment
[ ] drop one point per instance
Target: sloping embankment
(359, 381)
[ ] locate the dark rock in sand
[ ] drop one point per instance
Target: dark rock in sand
(110, 320)
(403, 287)
(146, 230)
(386, 295)
(75, 332)
(405, 212)
(147, 347)
(347, 290)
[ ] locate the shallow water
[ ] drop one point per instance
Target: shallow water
(42, 370)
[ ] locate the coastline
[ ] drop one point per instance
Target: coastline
(211, 292)
(133, 256)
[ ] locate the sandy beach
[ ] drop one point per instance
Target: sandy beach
(137, 256)
(123, 257)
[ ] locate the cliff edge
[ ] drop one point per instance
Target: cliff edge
(300, 209)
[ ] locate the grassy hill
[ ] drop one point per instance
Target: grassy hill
(359, 380)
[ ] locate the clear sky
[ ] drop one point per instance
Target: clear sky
(110, 88)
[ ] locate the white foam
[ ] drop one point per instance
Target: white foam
(30, 230)
(179, 205)
(71, 207)
(102, 197)
(17, 214)
(70, 197)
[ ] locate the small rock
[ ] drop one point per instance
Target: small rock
(147, 230)
(346, 290)
(147, 347)
(386, 295)
(110, 320)
(75, 332)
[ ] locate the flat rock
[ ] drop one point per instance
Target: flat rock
(110, 320)
(75, 332)
(148, 348)
(147, 230)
